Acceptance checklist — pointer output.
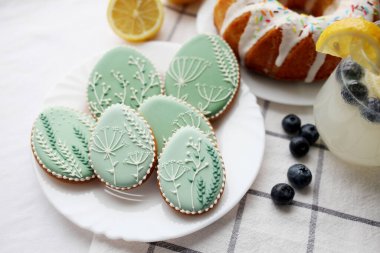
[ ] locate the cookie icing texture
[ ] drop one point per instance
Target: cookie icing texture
(205, 73)
(60, 143)
(122, 149)
(122, 76)
(166, 114)
(191, 172)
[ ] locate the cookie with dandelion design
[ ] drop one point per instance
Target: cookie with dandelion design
(166, 114)
(122, 76)
(191, 172)
(122, 148)
(60, 139)
(204, 73)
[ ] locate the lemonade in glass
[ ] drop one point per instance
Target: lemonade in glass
(347, 114)
(347, 109)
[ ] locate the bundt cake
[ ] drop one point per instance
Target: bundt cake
(273, 38)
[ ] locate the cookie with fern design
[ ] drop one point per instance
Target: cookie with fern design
(60, 143)
(204, 73)
(191, 172)
(122, 76)
(166, 114)
(122, 148)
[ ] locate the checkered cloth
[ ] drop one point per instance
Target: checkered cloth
(42, 40)
(339, 212)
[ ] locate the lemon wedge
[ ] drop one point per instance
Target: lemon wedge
(355, 37)
(135, 20)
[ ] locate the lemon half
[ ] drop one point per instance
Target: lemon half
(135, 20)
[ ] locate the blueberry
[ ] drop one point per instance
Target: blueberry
(374, 104)
(299, 146)
(282, 194)
(349, 70)
(310, 133)
(291, 124)
(358, 89)
(299, 176)
(369, 115)
(371, 110)
(348, 97)
(354, 91)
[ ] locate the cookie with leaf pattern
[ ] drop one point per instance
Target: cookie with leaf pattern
(122, 76)
(122, 148)
(166, 114)
(204, 73)
(60, 139)
(191, 172)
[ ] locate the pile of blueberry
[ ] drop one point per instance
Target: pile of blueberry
(298, 174)
(304, 136)
(349, 74)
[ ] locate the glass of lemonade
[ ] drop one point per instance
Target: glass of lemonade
(347, 114)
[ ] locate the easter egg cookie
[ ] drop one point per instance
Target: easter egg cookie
(122, 148)
(122, 76)
(191, 172)
(166, 114)
(60, 143)
(204, 73)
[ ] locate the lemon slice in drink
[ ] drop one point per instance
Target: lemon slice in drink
(373, 82)
(355, 37)
(135, 20)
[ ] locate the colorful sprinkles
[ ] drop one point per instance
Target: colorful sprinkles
(279, 15)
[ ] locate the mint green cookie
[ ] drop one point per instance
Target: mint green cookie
(122, 149)
(122, 76)
(60, 143)
(204, 73)
(166, 114)
(191, 172)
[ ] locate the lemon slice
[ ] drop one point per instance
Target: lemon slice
(373, 82)
(355, 37)
(135, 20)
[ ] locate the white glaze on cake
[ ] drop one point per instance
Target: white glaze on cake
(314, 68)
(268, 15)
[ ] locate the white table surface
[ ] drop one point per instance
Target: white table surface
(43, 40)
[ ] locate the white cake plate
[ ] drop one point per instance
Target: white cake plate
(141, 214)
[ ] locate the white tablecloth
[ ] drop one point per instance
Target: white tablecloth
(42, 40)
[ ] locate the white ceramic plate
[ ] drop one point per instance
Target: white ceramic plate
(291, 93)
(141, 214)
